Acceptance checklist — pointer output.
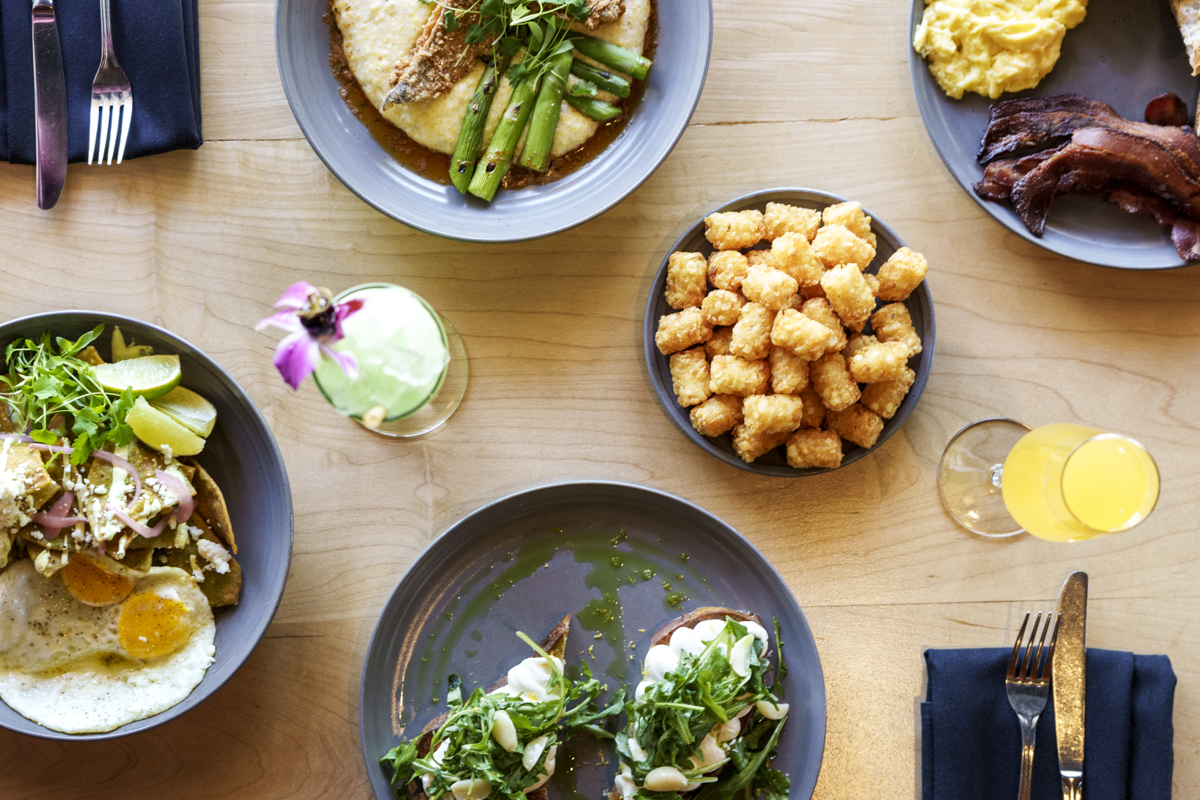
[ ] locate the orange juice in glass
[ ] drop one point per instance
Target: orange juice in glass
(1060, 482)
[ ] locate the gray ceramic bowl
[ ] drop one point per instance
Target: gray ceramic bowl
(371, 172)
(920, 306)
(1122, 53)
(244, 460)
(443, 616)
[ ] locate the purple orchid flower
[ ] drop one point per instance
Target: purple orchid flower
(313, 322)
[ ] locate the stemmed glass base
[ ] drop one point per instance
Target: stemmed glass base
(441, 407)
(970, 472)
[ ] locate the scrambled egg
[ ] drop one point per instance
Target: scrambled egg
(994, 46)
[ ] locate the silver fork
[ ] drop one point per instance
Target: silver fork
(1028, 685)
(111, 95)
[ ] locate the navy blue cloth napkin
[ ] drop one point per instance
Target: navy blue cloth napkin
(971, 741)
(158, 46)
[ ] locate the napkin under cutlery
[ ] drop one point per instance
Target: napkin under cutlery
(971, 744)
(158, 44)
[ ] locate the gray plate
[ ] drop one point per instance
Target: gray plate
(372, 173)
(919, 304)
(443, 610)
(1124, 54)
(244, 460)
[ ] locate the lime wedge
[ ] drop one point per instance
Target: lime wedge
(148, 376)
(158, 430)
(188, 409)
(123, 352)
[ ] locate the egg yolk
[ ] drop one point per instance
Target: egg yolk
(151, 626)
(91, 585)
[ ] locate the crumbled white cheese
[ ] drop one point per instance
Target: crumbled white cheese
(214, 554)
(197, 573)
(167, 452)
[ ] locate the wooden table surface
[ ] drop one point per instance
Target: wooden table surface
(203, 242)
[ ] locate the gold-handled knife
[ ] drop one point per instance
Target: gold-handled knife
(50, 105)
(1069, 673)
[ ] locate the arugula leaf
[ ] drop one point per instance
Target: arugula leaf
(400, 759)
(728, 788)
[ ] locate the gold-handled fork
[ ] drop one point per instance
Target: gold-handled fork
(112, 96)
(1028, 686)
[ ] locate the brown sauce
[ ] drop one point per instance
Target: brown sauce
(436, 166)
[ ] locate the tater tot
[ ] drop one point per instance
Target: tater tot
(734, 230)
(782, 219)
(716, 415)
(726, 268)
(758, 257)
(721, 307)
(752, 333)
(791, 253)
(718, 345)
(819, 309)
(872, 283)
(773, 413)
(848, 293)
(885, 397)
(687, 275)
(681, 330)
(750, 446)
(805, 337)
(689, 375)
(789, 372)
(814, 409)
(835, 245)
(833, 382)
(856, 342)
(769, 287)
(855, 424)
(850, 216)
(893, 323)
(809, 292)
(733, 375)
(885, 361)
(808, 448)
(901, 273)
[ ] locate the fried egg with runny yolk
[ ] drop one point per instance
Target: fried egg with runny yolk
(87, 652)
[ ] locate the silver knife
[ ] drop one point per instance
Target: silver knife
(50, 105)
(1069, 680)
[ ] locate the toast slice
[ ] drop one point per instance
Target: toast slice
(555, 644)
(1187, 16)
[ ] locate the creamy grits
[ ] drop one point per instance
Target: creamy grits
(377, 33)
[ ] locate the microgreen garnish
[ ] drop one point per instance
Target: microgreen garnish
(47, 378)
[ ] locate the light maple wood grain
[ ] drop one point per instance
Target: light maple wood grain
(812, 94)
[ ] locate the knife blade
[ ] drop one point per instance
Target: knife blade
(50, 105)
(1068, 677)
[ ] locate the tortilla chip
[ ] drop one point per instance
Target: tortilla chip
(22, 459)
(220, 589)
(210, 503)
(1187, 15)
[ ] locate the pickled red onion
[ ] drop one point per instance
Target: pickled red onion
(53, 521)
(17, 437)
(186, 502)
(117, 461)
(138, 527)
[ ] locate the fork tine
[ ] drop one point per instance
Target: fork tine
(116, 127)
(1012, 662)
(104, 111)
(1029, 647)
(1053, 641)
(93, 124)
(1039, 665)
(126, 123)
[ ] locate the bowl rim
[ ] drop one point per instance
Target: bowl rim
(667, 145)
(169, 714)
(665, 393)
(372, 761)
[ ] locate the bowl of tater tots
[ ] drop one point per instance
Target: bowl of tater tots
(789, 333)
